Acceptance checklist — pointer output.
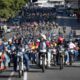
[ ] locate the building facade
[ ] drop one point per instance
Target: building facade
(50, 3)
(73, 3)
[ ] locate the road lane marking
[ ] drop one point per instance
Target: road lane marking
(12, 73)
(25, 76)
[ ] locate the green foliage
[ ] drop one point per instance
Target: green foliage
(9, 8)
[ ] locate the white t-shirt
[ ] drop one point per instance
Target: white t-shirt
(43, 47)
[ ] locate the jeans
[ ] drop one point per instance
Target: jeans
(67, 56)
(31, 56)
(26, 60)
(76, 55)
(49, 57)
(74, 52)
(14, 59)
(5, 62)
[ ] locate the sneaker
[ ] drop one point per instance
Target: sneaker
(67, 63)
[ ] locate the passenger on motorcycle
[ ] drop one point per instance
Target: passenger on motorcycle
(73, 49)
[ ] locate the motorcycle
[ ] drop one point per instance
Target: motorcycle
(54, 53)
(61, 58)
(20, 65)
(42, 62)
(71, 57)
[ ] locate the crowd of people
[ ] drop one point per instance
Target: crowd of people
(38, 34)
(38, 14)
(36, 44)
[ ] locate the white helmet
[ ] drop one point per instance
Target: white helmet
(10, 40)
(38, 40)
(44, 36)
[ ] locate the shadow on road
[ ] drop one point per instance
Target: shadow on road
(53, 68)
(35, 71)
(72, 66)
(7, 76)
(34, 67)
(8, 70)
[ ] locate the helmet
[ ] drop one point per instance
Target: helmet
(60, 39)
(38, 40)
(43, 36)
(10, 40)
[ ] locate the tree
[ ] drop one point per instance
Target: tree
(9, 8)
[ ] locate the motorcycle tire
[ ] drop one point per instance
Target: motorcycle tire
(43, 64)
(61, 63)
(20, 73)
(70, 61)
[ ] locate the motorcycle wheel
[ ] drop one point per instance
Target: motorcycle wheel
(20, 73)
(43, 64)
(61, 63)
(70, 61)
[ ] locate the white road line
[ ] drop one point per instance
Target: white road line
(25, 76)
(12, 73)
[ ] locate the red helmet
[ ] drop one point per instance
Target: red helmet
(60, 39)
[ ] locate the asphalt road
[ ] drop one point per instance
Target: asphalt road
(9, 74)
(35, 73)
(67, 73)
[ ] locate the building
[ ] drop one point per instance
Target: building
(58, 2)
(49, 3)
(73, 3)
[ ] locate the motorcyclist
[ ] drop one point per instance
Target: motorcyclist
(61, 52)
(22, 48)
(26, 58)
(42, 47)
(4, 56)
(71, 49)
(60, 47)
(11, 49)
